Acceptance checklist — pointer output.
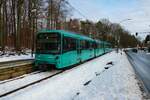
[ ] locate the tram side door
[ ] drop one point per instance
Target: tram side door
(78, 51)
(95, 48)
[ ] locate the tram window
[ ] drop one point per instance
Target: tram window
(69, 44)
(88, 45)
(48, 43)
(82, 43)
(91, 45)
(94, 45)
(99, 45)
(85, 44)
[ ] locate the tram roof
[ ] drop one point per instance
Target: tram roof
(68, 34)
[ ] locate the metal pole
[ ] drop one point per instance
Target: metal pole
(117, 43)
(118, 37)
(33, 31)
(33, 37)
(51, 14)
(149, 43)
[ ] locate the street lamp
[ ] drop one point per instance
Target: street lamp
(118, 37)
(124, 20)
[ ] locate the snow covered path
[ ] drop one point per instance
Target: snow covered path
(93, 80)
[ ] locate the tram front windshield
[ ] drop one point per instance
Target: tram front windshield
(48, 43)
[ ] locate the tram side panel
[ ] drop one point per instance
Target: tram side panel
(69, 54)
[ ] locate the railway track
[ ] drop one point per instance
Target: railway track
(12, 69)
(20, 77)
(30, 84)
(8, 92)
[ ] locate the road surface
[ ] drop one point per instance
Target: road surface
(141, 64)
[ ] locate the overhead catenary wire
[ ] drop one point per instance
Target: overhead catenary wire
(75, 9)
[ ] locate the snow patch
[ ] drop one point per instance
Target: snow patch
(15, 57)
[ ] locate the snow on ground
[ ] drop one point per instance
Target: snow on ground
(116, 83)
(15, 57)
(6, 86)
(148, 53)
(93, 80)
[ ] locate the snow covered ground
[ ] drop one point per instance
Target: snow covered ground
(93, 80)
(8, 85)
(15, 57)
(148, 53)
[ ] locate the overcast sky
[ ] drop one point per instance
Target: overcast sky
(116, 11)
